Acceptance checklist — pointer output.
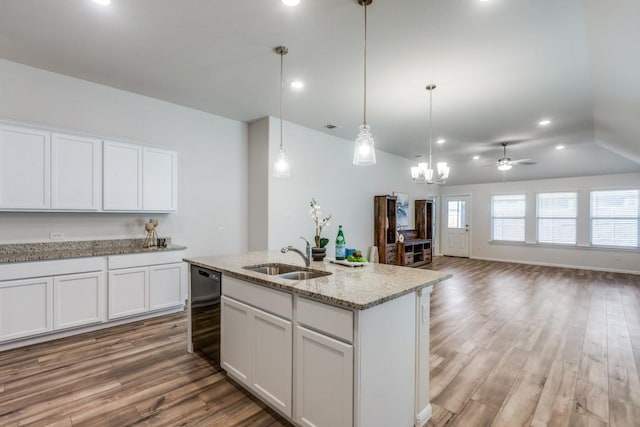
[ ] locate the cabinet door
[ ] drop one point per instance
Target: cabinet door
(272, 352)
(75, 172)
(324, 380)
(78, 300)
(236, 339)
(122, 176)
(128, 292)
(25, 161)
(165, 286)
(160, 180)
(26, 308)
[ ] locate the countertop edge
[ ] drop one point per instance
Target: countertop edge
(316, 296)
(49, 256)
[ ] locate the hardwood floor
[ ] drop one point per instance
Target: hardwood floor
(135, 374)
(511, 345)
(522, 345)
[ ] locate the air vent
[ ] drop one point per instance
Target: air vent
(330, 126)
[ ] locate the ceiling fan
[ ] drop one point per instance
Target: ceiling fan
(505, 163)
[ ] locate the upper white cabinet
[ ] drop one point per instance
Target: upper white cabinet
(159, 179)
(75, 172)
(122, 177)
(139, 178)
(42, 169)
(25, 161)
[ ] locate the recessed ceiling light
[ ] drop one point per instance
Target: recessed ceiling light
(559, 147)
(545, 122)
(291, 2)
(441, 141)
(476, 157)
(297, 84)
(103, 2)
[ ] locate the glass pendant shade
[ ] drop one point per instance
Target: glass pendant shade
(504, 167)
(281, 166)
(364, 153)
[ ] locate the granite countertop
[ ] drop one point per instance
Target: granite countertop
(352, 287)
(47, 251)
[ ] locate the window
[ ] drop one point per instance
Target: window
(614, 218)
(456, 214)
(507, 217)
(557, 214)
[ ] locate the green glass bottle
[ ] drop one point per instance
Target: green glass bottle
(341, 245)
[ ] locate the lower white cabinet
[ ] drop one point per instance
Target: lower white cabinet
(141, 289)
(257, 351)
(165, 286)
(78, 299)
(26, 307)
(324, 380)
(128, 292)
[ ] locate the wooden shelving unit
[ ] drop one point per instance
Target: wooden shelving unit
(384, 233)
(416, 250)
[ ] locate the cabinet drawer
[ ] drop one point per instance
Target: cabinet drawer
(141, 260)
(269, 300)
(408, 259)
(334, 321)
(25, 270)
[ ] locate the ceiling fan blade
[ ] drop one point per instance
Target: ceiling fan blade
(526, 162)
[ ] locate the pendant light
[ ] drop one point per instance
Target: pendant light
(364, 152)
(281, 167)
(423, 173)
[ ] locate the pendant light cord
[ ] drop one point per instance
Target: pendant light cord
(281, 90)
(430, 126)
(365, 62)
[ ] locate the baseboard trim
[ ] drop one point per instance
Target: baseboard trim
(423, 416)
(549, 264)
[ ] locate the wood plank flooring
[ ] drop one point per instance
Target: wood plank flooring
(136, 374)
(522, 345)
(511, 345)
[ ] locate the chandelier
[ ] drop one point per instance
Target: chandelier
(423, 173)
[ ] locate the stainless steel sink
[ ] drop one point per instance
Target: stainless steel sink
(286, 271)
(303, 275)
(272, 269)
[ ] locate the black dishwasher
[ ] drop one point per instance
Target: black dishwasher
(204, 303)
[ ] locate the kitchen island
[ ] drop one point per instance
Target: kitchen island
(350, 347)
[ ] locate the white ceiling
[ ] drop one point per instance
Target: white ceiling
(500, 67)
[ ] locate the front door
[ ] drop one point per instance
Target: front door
(456, 225)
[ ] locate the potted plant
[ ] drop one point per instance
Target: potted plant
(319, 251)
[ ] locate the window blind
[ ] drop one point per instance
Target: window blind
(614, 218)
(507, 217)
(557, 217)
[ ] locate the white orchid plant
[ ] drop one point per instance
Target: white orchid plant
(316, 217)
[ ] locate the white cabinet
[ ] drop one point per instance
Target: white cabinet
(26, 308)
(139, 178)
(272, 347)
(75, 172)
(122, 176)
(165, 286)
(145, 282)
(257, 351)
(235, 339)
(128, 292)
(324, 380)
(78, 299)
(159, 180)
(25, 157)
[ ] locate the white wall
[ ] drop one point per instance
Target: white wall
(212, 151)
(580, 256)
(321, 167)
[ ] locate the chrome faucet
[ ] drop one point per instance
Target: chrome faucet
(307, 259)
